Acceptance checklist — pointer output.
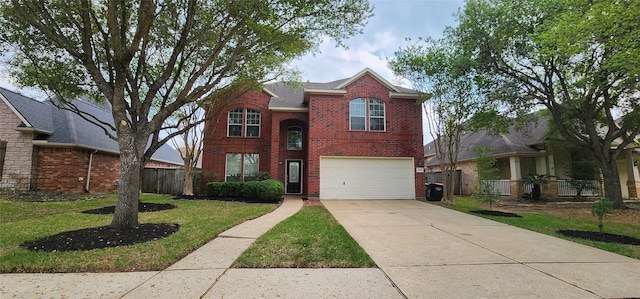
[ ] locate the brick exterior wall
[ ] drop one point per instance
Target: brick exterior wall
(65, 170)
(217, 144)
(325, 130)
(330, 135)
(17, 172)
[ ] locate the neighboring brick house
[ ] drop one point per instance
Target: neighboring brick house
(48, 149)
(355, 138)
(529, 151)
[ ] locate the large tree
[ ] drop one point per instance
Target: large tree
(580, 59)
(149, 58)
(450, 98)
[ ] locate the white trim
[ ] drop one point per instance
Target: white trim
(364, 116)
(270, 93)
(289, 109)
(373, 74)
(325, 91)
(403, 95)
(32, 129)
(15, 111)
(300, 178)
(247, 125)
(241, 122)
(384, 117)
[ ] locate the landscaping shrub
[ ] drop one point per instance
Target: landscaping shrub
(270, 190)
(224, 189)
(250, 189)
(214, 189)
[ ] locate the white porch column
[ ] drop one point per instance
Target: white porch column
(632, 171)
(514, 166)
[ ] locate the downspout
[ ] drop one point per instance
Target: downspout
(86, 188)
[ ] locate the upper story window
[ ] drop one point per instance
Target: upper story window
(357, 113)
(376, 115)
(253, 123)
(367, 115)
(235, 123)
(294, 138)
(247, 118)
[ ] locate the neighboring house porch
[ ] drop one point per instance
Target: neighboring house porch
(522, 154)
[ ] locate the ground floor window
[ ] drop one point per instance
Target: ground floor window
(241, 167)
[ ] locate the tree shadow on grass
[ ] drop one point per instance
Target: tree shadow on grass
(600, 237)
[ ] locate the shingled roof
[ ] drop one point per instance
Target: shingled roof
(55, 127)
(529, 140)
(292, 96)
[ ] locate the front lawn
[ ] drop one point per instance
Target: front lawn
(200, 222)
(547, 219)
(311, 238)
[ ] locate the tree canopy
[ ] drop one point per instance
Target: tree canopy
(149, 58)
(578, 59)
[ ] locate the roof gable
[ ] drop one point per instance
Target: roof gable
(373, 74)
(34, 114)
(295, 97)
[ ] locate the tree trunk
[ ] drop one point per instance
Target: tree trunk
(126, 212)
(449, 185)
(612, 186)
(188, 181)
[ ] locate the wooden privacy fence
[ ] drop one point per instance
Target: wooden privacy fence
(168, 181)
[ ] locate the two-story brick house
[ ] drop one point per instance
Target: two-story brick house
(355, 138)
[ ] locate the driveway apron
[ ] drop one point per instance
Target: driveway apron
(432, 252)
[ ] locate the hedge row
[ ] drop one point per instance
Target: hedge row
(265, 191)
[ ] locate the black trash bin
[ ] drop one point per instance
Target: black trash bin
(434, 192)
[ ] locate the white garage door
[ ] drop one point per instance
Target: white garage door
(366, 178)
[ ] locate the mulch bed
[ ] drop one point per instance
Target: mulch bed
(496, 213)
(101, 237)
(600, 237)
(142, 208)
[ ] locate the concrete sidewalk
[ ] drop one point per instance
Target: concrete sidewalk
(432, 252)
(205, 273)
(190, 277)
(422, 250)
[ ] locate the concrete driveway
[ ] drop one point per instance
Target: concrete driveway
(431, 252)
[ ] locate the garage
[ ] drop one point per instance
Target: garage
(366, 178)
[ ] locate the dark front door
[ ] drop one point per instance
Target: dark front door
(294, 177)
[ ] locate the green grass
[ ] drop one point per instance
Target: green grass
(200, 222)
(549, 224)
(311, 238)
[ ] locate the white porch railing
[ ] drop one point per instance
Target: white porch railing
(500, 187)
(566, 189)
